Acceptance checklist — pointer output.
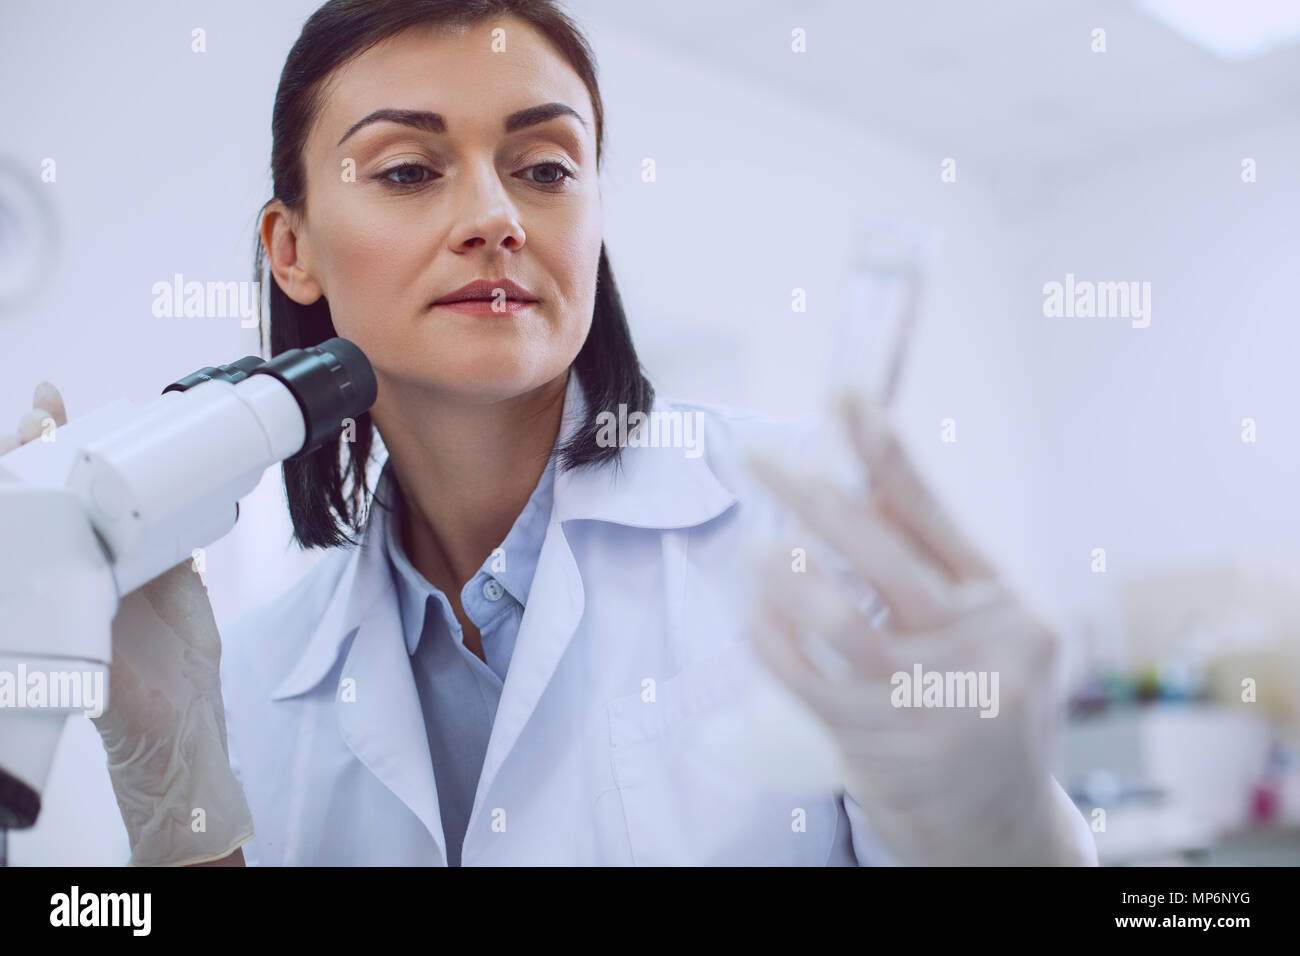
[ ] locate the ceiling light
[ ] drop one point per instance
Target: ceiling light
(1233, 30)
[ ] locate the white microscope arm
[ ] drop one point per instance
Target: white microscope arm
(100, 506)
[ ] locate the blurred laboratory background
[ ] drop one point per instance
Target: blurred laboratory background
(877, 192)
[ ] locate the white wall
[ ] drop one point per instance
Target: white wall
(162, 159)
(1071, 433)
(1140, 429)
(757, 193)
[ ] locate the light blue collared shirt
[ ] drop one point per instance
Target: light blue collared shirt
(458, 692)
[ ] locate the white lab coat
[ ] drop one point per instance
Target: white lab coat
(638, 578)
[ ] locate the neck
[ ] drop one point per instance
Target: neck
(466, 471)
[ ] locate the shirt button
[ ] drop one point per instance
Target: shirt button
(492, 589)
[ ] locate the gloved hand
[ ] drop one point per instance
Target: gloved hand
(164, 729)
(940, 785)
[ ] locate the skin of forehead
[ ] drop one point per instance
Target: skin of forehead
(538, 68)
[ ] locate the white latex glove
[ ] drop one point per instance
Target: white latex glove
(939, 785)
(164, 729)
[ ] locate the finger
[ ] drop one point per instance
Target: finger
(965, 652)
(782, 657)
(892, 474)
(33, 423)
(48, 397)
(998, 636)
(915, 590)
(825, 612)
(841, 705)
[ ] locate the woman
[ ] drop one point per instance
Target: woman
(510, 666)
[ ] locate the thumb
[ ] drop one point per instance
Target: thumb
(47, 397)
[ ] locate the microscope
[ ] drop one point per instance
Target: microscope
(92, 510)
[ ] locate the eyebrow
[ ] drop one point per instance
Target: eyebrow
(434, 123)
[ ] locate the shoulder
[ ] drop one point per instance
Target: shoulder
(727, 435)
(264, 640)
(730, 434)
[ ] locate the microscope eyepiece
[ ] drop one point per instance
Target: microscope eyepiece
(331, 382)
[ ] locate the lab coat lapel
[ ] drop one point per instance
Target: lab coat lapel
(383, 724)
(555, 605)
(378, 712)
(657, 488)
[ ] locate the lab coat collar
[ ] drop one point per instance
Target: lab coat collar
(382, 722)
(650, 487)
(655, 488)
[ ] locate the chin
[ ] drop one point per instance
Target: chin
(472, 359)
(479, 372)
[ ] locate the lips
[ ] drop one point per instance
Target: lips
(485, 290)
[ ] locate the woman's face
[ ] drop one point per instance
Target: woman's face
(398, 216)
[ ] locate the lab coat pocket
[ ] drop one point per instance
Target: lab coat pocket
(683, 808)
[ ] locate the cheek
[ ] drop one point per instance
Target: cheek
(373, 267)
(571, 256)
(575, 277)
(377, 262)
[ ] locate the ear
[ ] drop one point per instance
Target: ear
(286, 254)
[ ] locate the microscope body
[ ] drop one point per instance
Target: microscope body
(94, 509)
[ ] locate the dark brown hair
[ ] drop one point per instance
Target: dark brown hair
(608, 369)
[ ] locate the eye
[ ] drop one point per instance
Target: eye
(412, 175)
(404, 182)
(563, 174)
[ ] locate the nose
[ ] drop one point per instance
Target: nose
(485, 217)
